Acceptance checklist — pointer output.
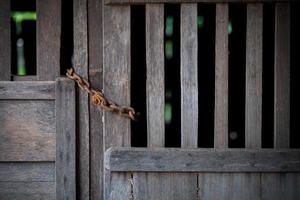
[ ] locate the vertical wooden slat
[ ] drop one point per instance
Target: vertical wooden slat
(221, 77)
(189, 76)
(65, 140)
(5, 62)
(116, 24)
(145, 185)
(254, 76)
(282, 76)
(96, 79)
(155, 84)
(81, 66)
(48, 39)
(281, 185)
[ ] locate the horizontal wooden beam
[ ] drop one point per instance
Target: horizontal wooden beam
(128, 2)
(202, 160)
(27, 90)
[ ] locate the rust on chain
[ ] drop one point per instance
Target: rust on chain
(98, 99)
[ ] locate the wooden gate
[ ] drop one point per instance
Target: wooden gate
(37, 116)
(190, 172)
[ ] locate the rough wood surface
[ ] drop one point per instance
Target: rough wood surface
(254, 76)
(229, 186)
(96, 79)
(221, 77)
(23, 118)
(28, 171)
(189, 76)
(5, 42)
(202, 160)
(155, 75)
(27, 90)
(24, 78)
(65, 163)
(27, 190)
(48, 39)
(129, 2)
(81, 66)
(116, 24)
(282, 76)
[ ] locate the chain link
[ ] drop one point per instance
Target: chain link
(98, 99)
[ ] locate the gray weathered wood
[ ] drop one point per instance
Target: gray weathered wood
(278, 186)
(202, 160)
(229, 186)
(254, 76)
(128, 2)
(27, 90)
(80, 18)
(66, 139)
(5, 41)
(96, 80)
(28, 171)
(155, 75)
(282, 76)
(31, 146)
(27, 190)
(24, 78)
(48, 39)
(189, 76)
(221, 77)
(23, 118)
(116, 24)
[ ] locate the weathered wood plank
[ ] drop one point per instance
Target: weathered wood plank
(24, 78)
(96, 80)
(48, 39)
(27, 190)
(189, 76)
(229, 186)
(221, 77)
(155, 75)
(28, 171)
(80, 18)
(5, 47)
(24, 118)
(27, 90)
(282, 76)
(277, 186)
(129, 2)
(202, 160)
(116, 24)
(31, 146)
(254, 76)
(66, 139)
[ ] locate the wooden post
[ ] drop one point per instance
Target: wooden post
(5, 63)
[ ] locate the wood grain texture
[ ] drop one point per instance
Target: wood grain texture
(96, 79)
(129, 2)
(155, 75)
(27, 190)
(80, 24)
(66, 139)
(48, 39)
(116, 24)
(28, 117)
(28, 171)
(204, 160)
(233, 186)
(24, 78)
(189, 76)
(277, 186)
(221, 77)
(282, 76)
(254, 76)
(27, 90)
(5, 47)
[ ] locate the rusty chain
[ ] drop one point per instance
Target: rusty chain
(98, 99)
